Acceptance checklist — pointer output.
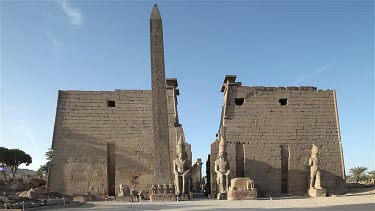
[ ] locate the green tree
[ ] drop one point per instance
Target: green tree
(43, 169)
(40, 172)
(3, 158)
(358, 173)
(15, 158)
(49, 154)
(371, 174)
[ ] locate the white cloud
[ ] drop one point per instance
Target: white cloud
(310, 75)
(74, 14)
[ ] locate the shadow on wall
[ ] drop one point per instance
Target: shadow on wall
(269, 182)
(80, 163)
(333, 183)
(309, 119)
(266, 178)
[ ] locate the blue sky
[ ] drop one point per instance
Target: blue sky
(48, 46)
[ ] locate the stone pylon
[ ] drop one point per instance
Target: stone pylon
(162, 171)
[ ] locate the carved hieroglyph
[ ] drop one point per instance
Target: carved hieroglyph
(222, 167)
(181, 169)
(162, 172)
(314, 169)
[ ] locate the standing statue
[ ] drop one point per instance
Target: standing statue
(121, 190)
(314, 168)
(181, 169)
(222, 167)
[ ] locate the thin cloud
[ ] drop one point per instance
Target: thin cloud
(53, 41)
(29, 134)
(31, 145)
(74, 14)
(311, 75)
(27, 131)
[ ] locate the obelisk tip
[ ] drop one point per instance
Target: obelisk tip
(155, 14)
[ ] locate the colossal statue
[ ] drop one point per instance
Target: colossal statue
(314, 168)
(222, 167)
(181, 169)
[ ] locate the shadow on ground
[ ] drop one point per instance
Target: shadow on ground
(115, 207)
(361, 191)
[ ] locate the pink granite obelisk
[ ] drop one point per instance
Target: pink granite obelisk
(162, 166)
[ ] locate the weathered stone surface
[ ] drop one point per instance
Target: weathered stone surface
(314, 169)
(145, 194)
(85, 198)
(196, 175)
(181, 169)
(222, 166)
(183, 197)
(162, 197)
(240, 183)
(103, 138)
(162, 192)
(4, 199)
(270, 142)
(242, 194)
(317, 192)
(162, 168)
(32, 193)
(35, 182)
(242, 188)
(85, 124)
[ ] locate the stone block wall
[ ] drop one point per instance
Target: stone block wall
(196, 175)
(276, 139)
(86, 125)
(212, 157)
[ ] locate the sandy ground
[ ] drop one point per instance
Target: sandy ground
(352, 201)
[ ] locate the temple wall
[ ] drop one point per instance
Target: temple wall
(276, 139)
(196, 175)
(90, 136)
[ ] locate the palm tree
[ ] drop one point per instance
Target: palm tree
(43, 169)
(371, 174)
(357, 173)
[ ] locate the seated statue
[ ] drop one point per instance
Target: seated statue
(181, 169)
(222, 168)
(314, 168)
